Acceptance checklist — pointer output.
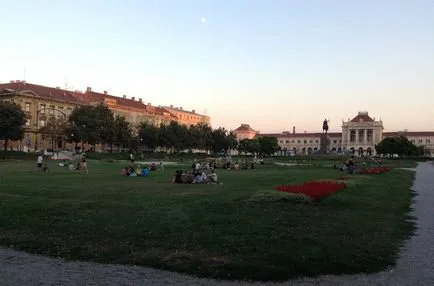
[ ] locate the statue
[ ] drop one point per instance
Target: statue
(325, 126)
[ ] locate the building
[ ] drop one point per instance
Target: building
(42, 103)
(359, 136)
(188, 118)
(245, 132)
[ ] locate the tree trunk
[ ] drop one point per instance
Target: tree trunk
(6, 144)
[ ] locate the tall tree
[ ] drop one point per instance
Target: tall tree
(12, 120)
(268, 145)
(148, 135)
(122, 132)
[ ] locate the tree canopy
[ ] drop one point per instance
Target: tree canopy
(12, 121)
(399, 145)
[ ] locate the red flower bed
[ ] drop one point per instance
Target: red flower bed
(315, 189)
(376, 170)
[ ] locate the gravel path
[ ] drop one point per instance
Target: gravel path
(415, 266)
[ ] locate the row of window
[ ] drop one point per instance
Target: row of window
(52, 110)
(420, 141)
(305, 141)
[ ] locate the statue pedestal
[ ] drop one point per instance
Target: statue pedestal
(324, 144)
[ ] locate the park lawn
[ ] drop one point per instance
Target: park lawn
(206, 230)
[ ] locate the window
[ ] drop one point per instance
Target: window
(428, 141)
(298, 141)
(28, 123)
(287, 141)
(281, 141)
(335, 141)
(293, 141)
(420, 140)
(27, 108)
(68, 111)
(310, 141)
(305, 141)
(42, 108)
(41, 123)
(61, 112)
(51, 111)
(316, 141)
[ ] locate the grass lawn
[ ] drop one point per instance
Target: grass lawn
(229, 231)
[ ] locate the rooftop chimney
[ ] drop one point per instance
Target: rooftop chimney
(149, 103)
(88, 88)
(12, 81)
(171, 106)
(57, 87)
(293, 129)
(180, 107)
(133, 98)
(105, 92)
(140, 100)
(194, 111)
(124, 96)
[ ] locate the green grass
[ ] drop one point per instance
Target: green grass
(239, 230)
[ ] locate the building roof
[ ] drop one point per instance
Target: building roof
(408, 133)
(45, 92)
(179, 109)
(245, 128)
(362, 117)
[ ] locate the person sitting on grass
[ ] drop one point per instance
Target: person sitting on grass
(125, 172)
(177, 179)
(132, 172)
(45, 168)
(139, 170)
(145, 172)
(153, 167)
(213, 178)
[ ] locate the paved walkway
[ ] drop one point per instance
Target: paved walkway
(415, 266)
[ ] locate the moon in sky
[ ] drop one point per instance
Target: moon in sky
(203, 20)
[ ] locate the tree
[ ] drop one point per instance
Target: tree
(122, 132)
(54, 131)
(399, 145)
(12, 120)
(148, 134)
(268, 145)
(93, 124)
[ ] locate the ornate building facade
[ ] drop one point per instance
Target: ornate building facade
(359, 136)
(42, 103)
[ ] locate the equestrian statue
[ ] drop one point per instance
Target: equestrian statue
(325, 126)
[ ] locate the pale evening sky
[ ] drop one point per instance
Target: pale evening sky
(270, 63)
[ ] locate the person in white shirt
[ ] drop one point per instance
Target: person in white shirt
(40, 161)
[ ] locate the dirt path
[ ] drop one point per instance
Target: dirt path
(415, 266)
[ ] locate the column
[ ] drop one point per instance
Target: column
(357, 136)
(366, 136)
(349, 136)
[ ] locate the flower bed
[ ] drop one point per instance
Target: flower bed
(314, 189)
(375, 170)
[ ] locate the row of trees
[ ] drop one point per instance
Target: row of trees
(401, 146)
(98, 125)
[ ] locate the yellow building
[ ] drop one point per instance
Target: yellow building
(188, 118)
(42, 103)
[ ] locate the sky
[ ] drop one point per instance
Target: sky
(273, 64)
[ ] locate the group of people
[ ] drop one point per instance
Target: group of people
(195, 177)
(130, 171)
(80, 166)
